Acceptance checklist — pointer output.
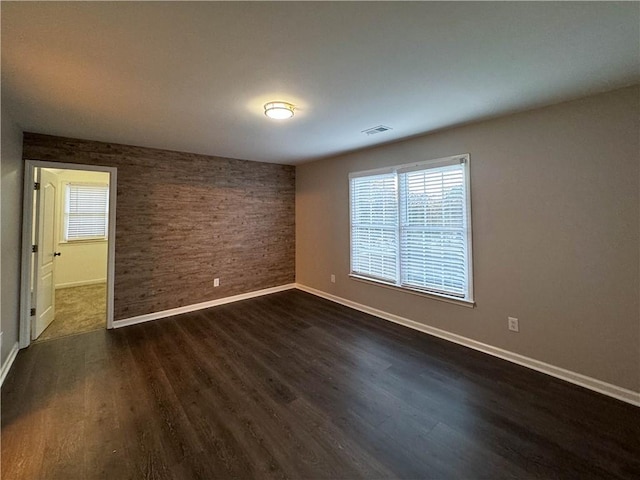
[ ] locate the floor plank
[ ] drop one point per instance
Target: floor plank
(293, 386)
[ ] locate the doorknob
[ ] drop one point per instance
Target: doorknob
(57, 254)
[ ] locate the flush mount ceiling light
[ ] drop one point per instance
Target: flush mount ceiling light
(278, 110)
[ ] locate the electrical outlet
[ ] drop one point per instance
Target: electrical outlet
(216, 282)
(333, 278)
(513, 324)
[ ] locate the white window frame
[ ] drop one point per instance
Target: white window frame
(464, 159)
(64, 216)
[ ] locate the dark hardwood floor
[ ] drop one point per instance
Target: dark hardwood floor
(293, 386)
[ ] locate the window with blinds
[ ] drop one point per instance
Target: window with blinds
(86, 212)
(374, 225)
(410, 227)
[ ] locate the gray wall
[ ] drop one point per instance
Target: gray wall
(11, 168)
(555, 202)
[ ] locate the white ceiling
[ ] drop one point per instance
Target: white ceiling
(194, 76)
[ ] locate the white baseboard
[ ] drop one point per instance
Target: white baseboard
(81, 283)
(599, 386)
(6, 366)
(199, 306)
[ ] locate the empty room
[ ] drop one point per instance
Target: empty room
(313, 240)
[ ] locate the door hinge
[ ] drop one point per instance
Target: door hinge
(34, 248)
(36, 186)
(33, 312)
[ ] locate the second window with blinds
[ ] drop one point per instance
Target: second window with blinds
(411, 227)
(86, 212)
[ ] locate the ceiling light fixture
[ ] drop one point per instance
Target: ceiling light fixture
(278, 110)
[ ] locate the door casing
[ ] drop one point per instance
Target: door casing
(27, 235)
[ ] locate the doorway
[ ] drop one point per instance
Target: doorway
(68, 255)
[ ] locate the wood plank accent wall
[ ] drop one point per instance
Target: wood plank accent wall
(184, 219)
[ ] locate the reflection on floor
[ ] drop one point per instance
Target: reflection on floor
(78, 310)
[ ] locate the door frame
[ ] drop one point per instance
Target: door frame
(27, 236)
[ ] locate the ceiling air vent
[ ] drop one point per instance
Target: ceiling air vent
(376, 130)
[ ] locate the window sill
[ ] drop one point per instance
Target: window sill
(434, 296)
(82, 242)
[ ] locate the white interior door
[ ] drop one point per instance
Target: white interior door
(45, 259)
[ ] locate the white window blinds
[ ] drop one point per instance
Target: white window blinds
(374, 226)
(86, 212)
(433, 230)
(410, 227)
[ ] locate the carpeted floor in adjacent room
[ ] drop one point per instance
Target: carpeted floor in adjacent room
(78, 310)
